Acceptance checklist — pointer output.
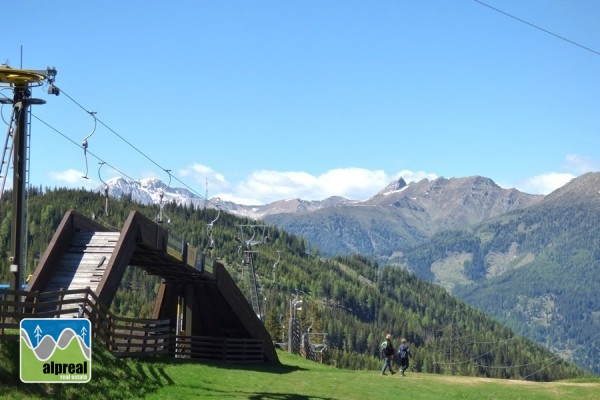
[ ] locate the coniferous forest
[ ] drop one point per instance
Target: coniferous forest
(352, 300)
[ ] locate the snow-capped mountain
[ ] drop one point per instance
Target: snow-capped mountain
(393, 187)
(149, 191)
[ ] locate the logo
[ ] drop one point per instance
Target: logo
(55, 350)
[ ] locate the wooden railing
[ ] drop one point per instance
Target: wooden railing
(124, 337)
(225, 349)
(193, 256)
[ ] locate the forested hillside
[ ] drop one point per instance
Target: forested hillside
(536, 270)
(351, 299)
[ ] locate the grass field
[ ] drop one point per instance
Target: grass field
(294, 379)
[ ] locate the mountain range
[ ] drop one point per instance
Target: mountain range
(531, 261)
(401, 216)
(396, 218)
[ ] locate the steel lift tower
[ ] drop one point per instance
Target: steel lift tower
(258, 236)
(21, 81)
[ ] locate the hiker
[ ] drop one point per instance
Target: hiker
(387, 353)
(403, 355)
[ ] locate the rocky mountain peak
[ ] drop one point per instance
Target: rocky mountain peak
(393, 186)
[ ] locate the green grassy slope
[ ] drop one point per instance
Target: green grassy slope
(294, 379)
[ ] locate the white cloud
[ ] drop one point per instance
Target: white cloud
(239, 200)
(351, 183)
(545, 183)
(153, 175)
(205, 176)
(580, 164)
(549, 182)
(265, 186)
(72, 178)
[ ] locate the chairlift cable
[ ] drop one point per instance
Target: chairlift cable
(78, 145)
(127, 142)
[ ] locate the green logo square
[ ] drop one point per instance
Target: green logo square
(55, 350)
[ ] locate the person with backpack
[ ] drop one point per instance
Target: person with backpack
(387, 353)
(403, 355)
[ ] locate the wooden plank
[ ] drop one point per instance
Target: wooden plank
(93, 240)
(136, 338)
(143, 320)
(78, 240)
(97, 256)
(10, 337)
(77, 277)
(82, 237)
(97, 259)
(82, 273)
(51, 294)
(86, 271)
(149, 329)
(90, 248)
(146, 328)
(125, 354)
(96, 232)
(141, 336)
(145, 347)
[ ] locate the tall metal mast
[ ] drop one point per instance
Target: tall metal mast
(248, 257)
(21, 81)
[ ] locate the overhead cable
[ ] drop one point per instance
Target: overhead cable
(78, 145)
(138, 150)
(537, 27)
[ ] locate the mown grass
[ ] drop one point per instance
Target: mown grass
(294, 379)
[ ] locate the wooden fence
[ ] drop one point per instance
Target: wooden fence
(123, 337)
(225, 349)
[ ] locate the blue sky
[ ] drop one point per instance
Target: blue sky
(256, 101)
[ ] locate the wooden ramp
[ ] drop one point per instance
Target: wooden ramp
(84, 263)
(85, 254)
(69, 259)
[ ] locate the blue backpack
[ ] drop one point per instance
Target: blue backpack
(403, 351)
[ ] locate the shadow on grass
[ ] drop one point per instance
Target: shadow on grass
(272, 368)
(10, 371)
(112, 378)
(117, 379)
(227, 394)
(285, 396)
